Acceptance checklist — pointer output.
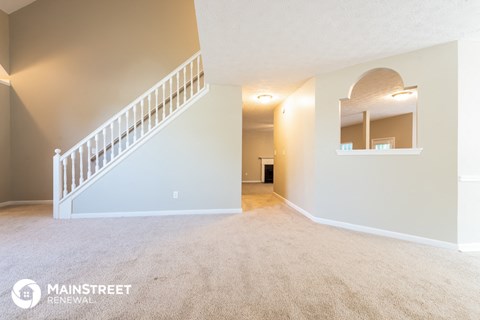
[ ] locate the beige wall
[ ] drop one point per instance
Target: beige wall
(75, 63)
(255, 144)
(411, 194)
(199, 159)
(4, 44)
(5, 194)
(399, 127)
(294, 139)
(4, 112)
(468, 143)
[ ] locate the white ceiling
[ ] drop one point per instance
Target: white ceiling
(273, 46)
(374, 93)
(10, 6)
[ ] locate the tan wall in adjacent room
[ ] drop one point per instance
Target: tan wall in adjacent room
(75, 63)
(399, 127)
(353, 134)
(255, 144)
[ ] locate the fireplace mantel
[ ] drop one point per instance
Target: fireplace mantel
(265, 160)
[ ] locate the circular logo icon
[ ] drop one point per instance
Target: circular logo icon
(26, 293)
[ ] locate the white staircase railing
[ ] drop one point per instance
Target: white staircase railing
(117, 135)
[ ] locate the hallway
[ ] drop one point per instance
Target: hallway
(258, 195)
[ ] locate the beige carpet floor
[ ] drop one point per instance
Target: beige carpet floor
(268, 263)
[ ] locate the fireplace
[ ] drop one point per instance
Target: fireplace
(267, 169)
(268, 173)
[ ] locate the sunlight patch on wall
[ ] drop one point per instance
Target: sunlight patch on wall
(4, 76)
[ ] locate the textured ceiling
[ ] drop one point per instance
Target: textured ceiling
(10, 6)
(374, 93)
(274, 46)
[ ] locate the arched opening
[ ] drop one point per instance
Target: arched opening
(380, 113)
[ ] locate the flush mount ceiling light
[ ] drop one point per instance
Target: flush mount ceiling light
(265, 98)
(402, 95)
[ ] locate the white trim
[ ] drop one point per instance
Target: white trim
(154, 213)
(469, 247)
(5, 82)
(469, 178)
(375, 231)
(252, 181)
(371, 152)
(24, 202)
(294, 206)
(138, 144)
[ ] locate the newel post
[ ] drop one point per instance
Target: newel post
(57, 184)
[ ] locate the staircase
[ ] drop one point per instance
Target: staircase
(124, 132)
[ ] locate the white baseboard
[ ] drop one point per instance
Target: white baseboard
(24, 202)
(154, 213)
(469, 247)
(252, 181)
(375, 231)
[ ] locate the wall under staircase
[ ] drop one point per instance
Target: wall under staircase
(198, 154)
(176, 149)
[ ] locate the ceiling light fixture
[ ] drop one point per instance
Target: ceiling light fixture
(402, 95)
(265, 98)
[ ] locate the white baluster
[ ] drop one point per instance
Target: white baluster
(149, 112)
(73, 171)
(126, 126)
(65, 190)
(142, 113)
(80, 150)
(198, 74)
(104, 132)
(134, 123)
(191, 79)
(163, 101)
(119, 135)
(178, 89)
(57, 183)
(89, 162)
(156, 107)
(171, 102)
(112, 147)
(184, 84)
(97, 166)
